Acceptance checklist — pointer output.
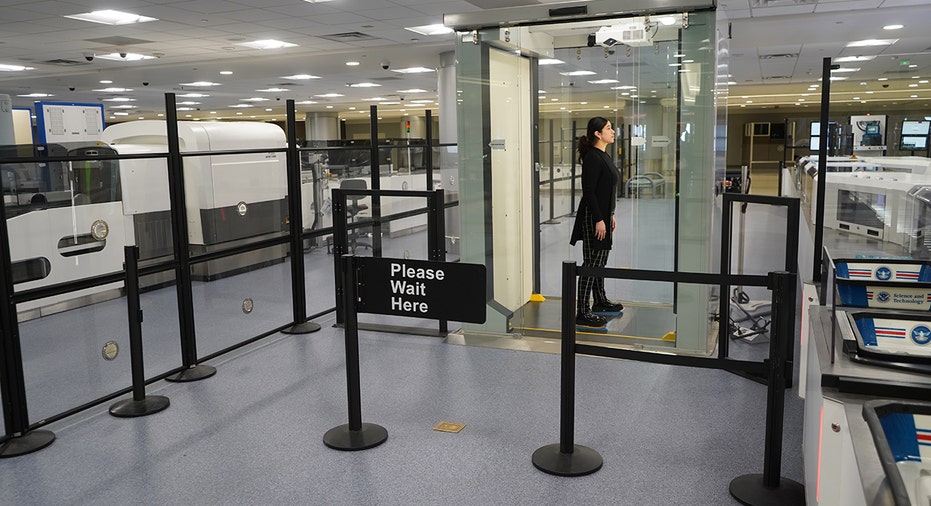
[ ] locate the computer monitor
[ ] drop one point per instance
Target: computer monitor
(914, 143)
(872, 129)
(915, 127)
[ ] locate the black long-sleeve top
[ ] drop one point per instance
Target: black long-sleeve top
(599, 195)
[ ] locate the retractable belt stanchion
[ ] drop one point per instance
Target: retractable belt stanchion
(567, 458)
(19, 440)
(141, 404)
(355, 435)
(770, 488)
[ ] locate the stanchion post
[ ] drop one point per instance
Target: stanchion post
(770, 488)
(355, 435)
(20, 440)
(567, 458)
(179, 235)
(296, 229)
(140, 404)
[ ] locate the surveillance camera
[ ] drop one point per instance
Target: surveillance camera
(122, 54)
(70, 88)
(277, 98)
(571, 83)
(402, 98)
(385, 64)
(885, 85)
(145, 83)
(89, 56)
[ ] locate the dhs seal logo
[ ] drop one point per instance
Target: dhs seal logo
(883, 297)
(921, 335)
(883, 274)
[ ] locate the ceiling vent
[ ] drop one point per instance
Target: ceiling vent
(770, 78)
(779, 56)
(348, 37)
(61, 62)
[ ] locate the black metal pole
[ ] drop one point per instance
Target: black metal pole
(724, 306)
(179, 235)
(552, 185)
(770, 488)
(140, 404)
(822, 166)
(572, 156)
(355, 435)
(12, 379)
(436, 238)
(567, 458)
(429, 148)
(376, 182)
(338, 202)
(296, 229)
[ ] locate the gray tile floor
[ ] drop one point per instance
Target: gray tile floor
(252, 434)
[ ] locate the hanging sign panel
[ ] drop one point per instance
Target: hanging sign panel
(422, 289)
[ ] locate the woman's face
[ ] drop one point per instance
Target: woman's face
(606, 134)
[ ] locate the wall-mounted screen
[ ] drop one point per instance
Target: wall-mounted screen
(914, 142)
(915, 127)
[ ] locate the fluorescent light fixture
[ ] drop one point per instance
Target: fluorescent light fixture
(14, 68)
(37, 95)
(847, 59)
(550, 61)
(883, 79)
(309, 102)
(578, 73)
(412, 90)
(301, 76)
(127, 57)
(179, 108)
(893, 27)
(239, 106)
(112, 90)
(187, 102)
(437, 29)
(846, 69)
(106, 81)
(194, 95)
(266, 44)
(127, 114)
(226, 72)
(389, 103)
(119, 99)
(352, 64)
(254, 99)
(374, 99)
(604, 81)
(667, 20)
(624, 87)
(273, 90)
(423, 101)
(111, 17)
(123, 106)
(363, 85)
(413, 70)
(316, 1)
(872, 42)
(201, 84)
(329, 95)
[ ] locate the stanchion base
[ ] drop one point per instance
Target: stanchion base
(129, 408)
(749, 489)
(301, 328)
(193, 373)
(341, 438)
(27, 443)
(583, 460)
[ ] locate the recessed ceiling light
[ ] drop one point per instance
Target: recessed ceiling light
(845, 59)
(111, 17)
(351, 108)
(226, 72)
(187, 102)
(412, 90)
(119, 99)
(436, 29)
(374, 99)
(125, 56)
(123, 106)
(578, 73)
(106, 81)
(273, 90)
(549, 61)
(268, 110)
(266, 44)
(667, 20)
(883, 79)
(604, 81)
(413, 70)
(846, 69)
(872, 42)
(14, 68)
(241, 106)
(310, 102)
(329, 107)
(352, 64)
(37, 95)
(893, 27)
(123, 113)
(254, 99)
(112, 90)
(301, 76)
(194, 95)
(329, 95)
(363, 85)
(201, 84)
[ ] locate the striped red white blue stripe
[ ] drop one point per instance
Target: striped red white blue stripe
(860, 273)
(911, 275)
(924, 436)
(890, 332)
